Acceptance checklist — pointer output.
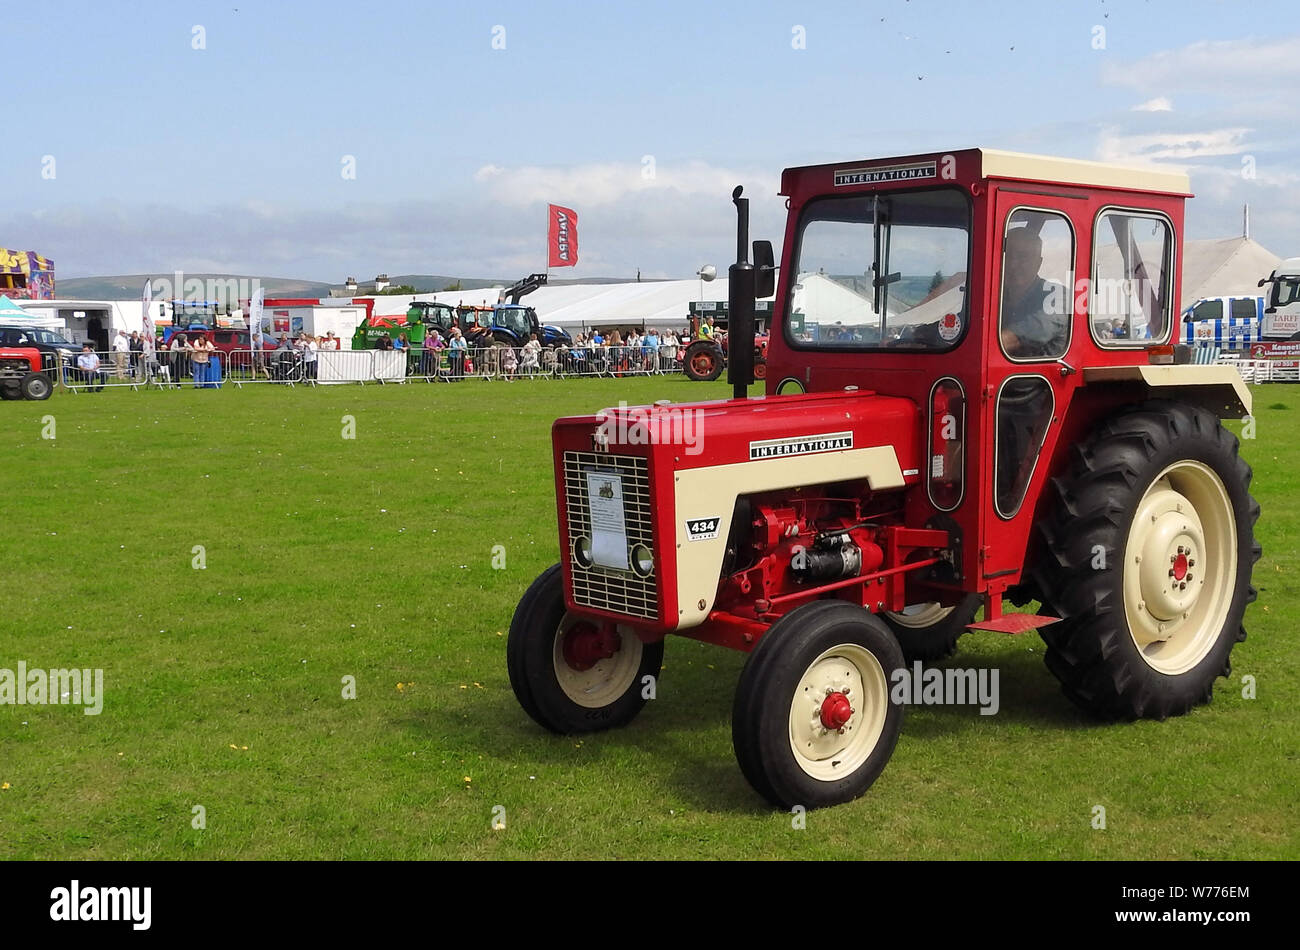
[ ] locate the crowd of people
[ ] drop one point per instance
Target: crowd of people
(191, 356)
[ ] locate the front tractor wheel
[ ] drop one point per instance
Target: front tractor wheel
(813, 723)
(571, 674)
(1152, 548)
(929, 631)
(703, 361)
(36, 386)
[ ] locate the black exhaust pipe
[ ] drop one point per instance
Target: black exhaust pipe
(742, 284)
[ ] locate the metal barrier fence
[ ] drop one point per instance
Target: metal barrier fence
(174, 369)
(1266, 371)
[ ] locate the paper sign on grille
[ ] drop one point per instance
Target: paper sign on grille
(608, 523)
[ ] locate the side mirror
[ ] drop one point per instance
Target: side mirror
(765, 264)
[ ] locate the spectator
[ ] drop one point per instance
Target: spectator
(331, 342)
(148, 356)
(121, 350)
(259, 356)
(457, 348)
(88, 371)
(202, 359)
(309, 352)
(180, 350)
(532, 354)
(651, 349)
(430, 353)
(136, 346)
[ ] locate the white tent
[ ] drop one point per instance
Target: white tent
(660, 303)
(11, 314)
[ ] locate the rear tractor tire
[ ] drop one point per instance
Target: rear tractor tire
(703, 361)
(929, 632)
(570, 674)
(813, 723)
(1149, 557)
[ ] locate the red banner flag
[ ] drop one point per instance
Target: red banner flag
(561, 236)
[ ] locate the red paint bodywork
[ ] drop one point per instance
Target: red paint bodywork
(891, 406)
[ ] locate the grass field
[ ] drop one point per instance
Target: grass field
(372, 558)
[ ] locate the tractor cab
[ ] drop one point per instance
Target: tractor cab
(973, 397)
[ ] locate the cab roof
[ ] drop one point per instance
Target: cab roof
(985, 163)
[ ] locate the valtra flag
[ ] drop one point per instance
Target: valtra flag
(561, 236)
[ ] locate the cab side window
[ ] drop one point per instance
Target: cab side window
(1037, 274)
(1131, 285)
(1243, 308)
(1207, 310)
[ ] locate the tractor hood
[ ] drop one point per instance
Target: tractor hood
(666, 478)
(763, 431)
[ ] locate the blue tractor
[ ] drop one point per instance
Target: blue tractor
(513, 323)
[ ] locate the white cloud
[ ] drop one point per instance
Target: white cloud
(1158, 104)
(599, 184)
(1169, 148)
(1234, 67)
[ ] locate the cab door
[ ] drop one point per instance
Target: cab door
(1036, 262)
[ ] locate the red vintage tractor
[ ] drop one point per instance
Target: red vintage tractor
(21, 375)
(705, 357)
(973, 398)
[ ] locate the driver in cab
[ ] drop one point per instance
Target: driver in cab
(1035, 318)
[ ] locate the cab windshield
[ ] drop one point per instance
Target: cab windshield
(1286, 291)
(881, 271)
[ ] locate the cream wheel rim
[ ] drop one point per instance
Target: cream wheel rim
(607, 680)
(1180, 567)
(850, 672)
(919, 616)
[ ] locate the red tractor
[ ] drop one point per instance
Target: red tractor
(973, 398)
(705, 357)
(20, 374)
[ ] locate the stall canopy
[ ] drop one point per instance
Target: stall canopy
(26, 274)
(11, 313)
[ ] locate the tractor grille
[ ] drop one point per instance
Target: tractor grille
(622, 592)
(11, 366)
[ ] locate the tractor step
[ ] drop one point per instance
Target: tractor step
(1013, 623)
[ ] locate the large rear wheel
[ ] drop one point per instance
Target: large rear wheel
(813, 723)
(1151, 551)
(703, 361)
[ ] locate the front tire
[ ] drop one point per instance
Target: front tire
(813, 723)
(570, 674)
(1150, 550)
(36, 386)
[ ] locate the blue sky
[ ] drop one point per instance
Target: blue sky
(229, 157)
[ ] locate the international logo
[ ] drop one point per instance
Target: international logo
(871, 176)
(800, 445)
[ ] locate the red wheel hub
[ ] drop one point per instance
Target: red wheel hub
(836, 711)
(1180, 566)
(585, 645)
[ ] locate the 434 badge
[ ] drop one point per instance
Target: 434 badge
(702, 529)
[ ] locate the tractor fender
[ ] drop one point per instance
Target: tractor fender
(1217, 389)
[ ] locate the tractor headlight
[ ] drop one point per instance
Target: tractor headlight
(643, 561)
(582, 551)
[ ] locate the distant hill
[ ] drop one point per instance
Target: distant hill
(129, 286)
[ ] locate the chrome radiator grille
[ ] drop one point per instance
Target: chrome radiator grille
(622, 592)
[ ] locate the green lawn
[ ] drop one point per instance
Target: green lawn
(372, 558)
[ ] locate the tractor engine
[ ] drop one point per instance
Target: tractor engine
(673, 516)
